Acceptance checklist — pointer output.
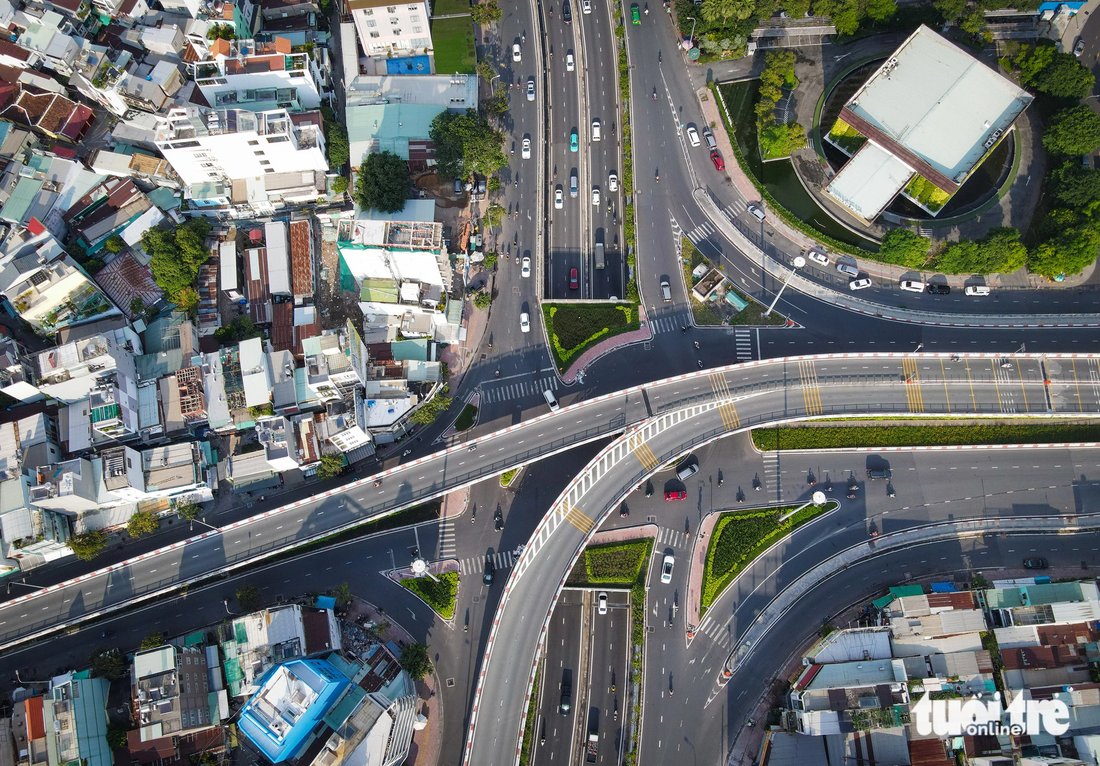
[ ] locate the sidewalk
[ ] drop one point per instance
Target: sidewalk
(575, 373)
(698, 564)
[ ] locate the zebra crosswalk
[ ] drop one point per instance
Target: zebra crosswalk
(715, 631)
(705, 229)
(672, 538)
(671, 321)
(742, 340)
(517, 389)
(476, 564)
(446, 545)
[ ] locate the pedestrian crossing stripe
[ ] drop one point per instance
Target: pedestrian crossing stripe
(503, 391)
(574, 516)
(645, 455)
(475, 564)
(913, 395)
(718, 384)
(811, 391)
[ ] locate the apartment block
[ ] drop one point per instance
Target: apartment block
(388, 28)
(257, 76)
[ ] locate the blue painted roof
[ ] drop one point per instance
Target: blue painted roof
(281, 732)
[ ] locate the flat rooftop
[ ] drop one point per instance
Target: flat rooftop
(938, 102)
(869, 181)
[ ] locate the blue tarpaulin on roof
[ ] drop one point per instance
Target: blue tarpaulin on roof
(943, 587)
(325, 602)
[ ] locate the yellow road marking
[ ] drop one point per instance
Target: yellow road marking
(645, 456)
(970, 382)
(719, 384)
(811, 391)
(1023, 391)
(730, 418)
(574, 516)
(913, 396)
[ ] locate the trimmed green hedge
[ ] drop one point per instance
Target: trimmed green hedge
(575, 327)
(466, 418)
(508, 477)
(739, 537)
(616, 564)
(439, 593)
(825, 437)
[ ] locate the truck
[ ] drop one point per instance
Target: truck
(597, 255)
(593, 748)
(566, 692)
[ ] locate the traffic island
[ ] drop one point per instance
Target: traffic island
(931, 435)
(574, 328)
(439, 591)
(740, 537)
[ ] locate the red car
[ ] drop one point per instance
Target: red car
(675, 494)
(574, 279)
(716, 158)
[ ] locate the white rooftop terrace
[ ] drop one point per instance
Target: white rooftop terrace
(939, 102)
(869, 181)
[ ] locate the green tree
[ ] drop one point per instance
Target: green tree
(726, 12)
(1050, 71)
(109, 664)
(1073, 131)
(383, 182)
(483, 299)
(114, 244)
(248, 598)
(343, 595)
(152, 641)
(951, 10)
(415, 661)
(336, 139)
(187, 301)
(1074, 185)
(845, 14)
(902, 247)
(493, 216)
(137, 307)
(1000, 252)
(339, 185)
(490, 261)
(240, 328)
(188, 511)
(782, 140)
(485, 70)
(176, 255)
(1066, 254)
(973, 23)
(88, 545)
(220, 32)
(331, 466)
(880, 10)
(427, 412)
(142, 523)
(116, 737)
(485, 12)
(465, 143)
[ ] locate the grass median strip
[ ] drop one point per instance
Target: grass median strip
(573, 328)
(617, 564)
(531, 720)
(438, 593)
(740, 537)
(840, 437)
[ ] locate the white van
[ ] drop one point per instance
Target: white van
(912, 285)
(551, 401)
(977, 290)
(666, 291)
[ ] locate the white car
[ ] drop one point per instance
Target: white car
(596, 196)
(525, 267)
(516, 56)
(818, 256)
(586, 7)
(531, 89)
(525, 322)
(666, 569)
(559, 198)
(612, 182)
(570, 64)
(525, 149)
(601, 603)
(595, 130)
(859, 284)
(693, 135)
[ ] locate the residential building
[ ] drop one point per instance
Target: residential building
(48, 289)
(279, 441)
(28, 443)
(392, 28)
(257, 76)
(301, 261)
(108, 210)
(48, 113)
(37, 188)
(70, 371)
(250, 161)
(49, 37)
(172, 470)
(169, 691)
(278, 259)
(74, 716)
(126, 161)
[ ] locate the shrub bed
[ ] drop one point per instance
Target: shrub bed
(508, 477)
(466, 418)
(825, 437)
(738, 538)
(616, 564)
(439, 593)
(573, 327)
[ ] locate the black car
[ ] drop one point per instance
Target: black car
(566, 12)
(1036, 562)
(880, 472)
(937, 289)
(490, 571)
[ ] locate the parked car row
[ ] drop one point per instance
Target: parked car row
(859, 282)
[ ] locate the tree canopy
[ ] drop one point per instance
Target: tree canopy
(427, 412)
(1074, 185)
(1073, 131)
(485, 12)
(1050, 71)
(109, 664)
(383, 182)
(465, 143)
(176, 255)
(239, 328)
(1000, 252)
(336, 139)
(331, 465)
(188, 511)
(902, 247)
(248, 598)
(142, 523)
(88, 545)
(415, 661)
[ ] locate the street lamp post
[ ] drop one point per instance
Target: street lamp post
(798, 263)
(693, 22)
(208, 526)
